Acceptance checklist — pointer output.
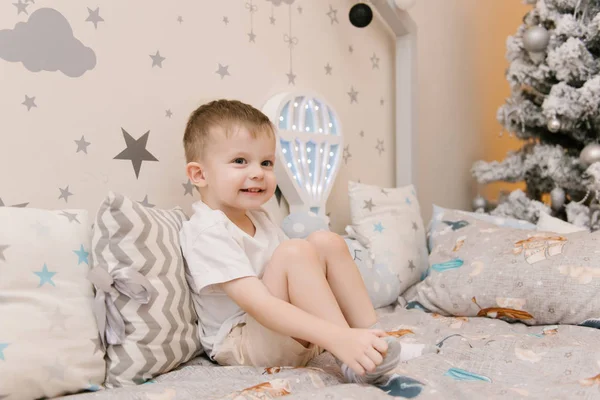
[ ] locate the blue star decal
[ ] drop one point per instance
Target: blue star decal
(408, 201)
(82, 254)
(45, 276)
(93, 388)
(378, 227)
(2, 347)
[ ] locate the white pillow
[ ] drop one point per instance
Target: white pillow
(548, 223)
(388, 222)
(49, 343)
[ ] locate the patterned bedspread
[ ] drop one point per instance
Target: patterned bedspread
(479, 358)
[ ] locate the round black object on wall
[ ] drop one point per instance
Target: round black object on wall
(361, 15)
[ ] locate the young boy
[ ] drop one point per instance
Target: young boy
(263, 299)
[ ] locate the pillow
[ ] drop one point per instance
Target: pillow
(500, 221)
(379, 280)
(388, 223)
(144, 305)
(548, 223)
(49, 343)
(299, 225)
(480, 269)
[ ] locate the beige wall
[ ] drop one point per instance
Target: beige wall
(461, 85)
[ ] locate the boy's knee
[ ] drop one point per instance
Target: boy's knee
(327, 241)
(294, 248)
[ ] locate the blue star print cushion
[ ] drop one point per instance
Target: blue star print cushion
(46, 300)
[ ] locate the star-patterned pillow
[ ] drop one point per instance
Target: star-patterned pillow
(388, 223)
(49, 344)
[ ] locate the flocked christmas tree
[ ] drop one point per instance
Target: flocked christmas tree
(554, 108)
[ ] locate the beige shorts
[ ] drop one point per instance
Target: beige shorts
(253, 344)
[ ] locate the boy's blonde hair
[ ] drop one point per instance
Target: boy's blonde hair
(225, 114)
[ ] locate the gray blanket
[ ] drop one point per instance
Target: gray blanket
(479, 358)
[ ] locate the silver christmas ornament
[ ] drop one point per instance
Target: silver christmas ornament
(479, 202)
(536, 39)
(590, 154)
(554, 125)
(557, 198)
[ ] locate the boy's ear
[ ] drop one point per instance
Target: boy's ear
(196, 174)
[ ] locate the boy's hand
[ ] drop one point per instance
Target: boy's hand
(360, 349)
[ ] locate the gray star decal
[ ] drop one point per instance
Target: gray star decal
(14, 205)
(64, 194)
(369, 204)
(223, 70)
(375, 61)
(381, 101)
(189, 188)
(180, 19)
(21, 7)
(157, 59)
(136, 151)
(168, 113)
(2, 248)
(353, 95)
(251, 37)
(146, 203)
(379, 146)
(415, 226)
(362, 133)
(225, 20)
(29, 102)
(70, 216)
(94, 17)
(328, 69)
(350, 49)
(272, 19)
(332, 14)
(291, 78)
(41, 230)
(384, 192)
(346, 154)
(82, 145)
(299, 10)
(97, 345)
(411, 265)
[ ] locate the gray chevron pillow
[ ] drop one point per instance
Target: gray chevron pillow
(144, 306)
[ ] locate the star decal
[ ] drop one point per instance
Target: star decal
(82, 255)
(378, 227)
(2, 248)
(291, 78)
(408, 201)
(45, 276)
(180, 19)
(225, 20)
(146, 203)
(361, 133)
(350, 49)
(369, 204)
(379, 146)
(375, 61)
(384, 192)
(94, 17)
(41, 230)
(14, 205)
(299, 10)
(29, 102)
(58, 320)
(136, 151)
(21, 7)
(332, 14)
(64, 194)
(353, 95)
(70, 216)
(168, 113)
(157, 59)
(189, 188)
(272, 19)
(223, 70)
(411, 265)
(2, 347)
(415, 226)
(346, 154)
(251, 37)
(381, 101)
(328, 69)
(82, 145)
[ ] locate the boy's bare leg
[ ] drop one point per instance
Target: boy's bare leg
(344, 279)
(295, 275)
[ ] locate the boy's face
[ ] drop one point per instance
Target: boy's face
(237, 171)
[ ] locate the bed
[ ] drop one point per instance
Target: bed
(513, 361)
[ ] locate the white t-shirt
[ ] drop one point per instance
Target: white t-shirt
(216, 251)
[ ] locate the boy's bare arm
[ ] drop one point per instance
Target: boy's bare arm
(278, 315)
